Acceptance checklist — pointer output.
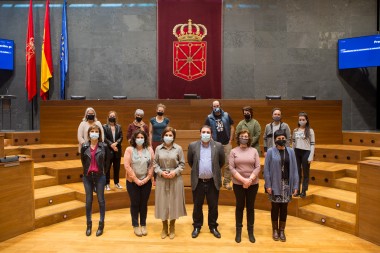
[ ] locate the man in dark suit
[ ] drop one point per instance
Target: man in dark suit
(206, 157)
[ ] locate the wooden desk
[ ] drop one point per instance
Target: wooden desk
(368, 201)
(59, 119)
(16, 199)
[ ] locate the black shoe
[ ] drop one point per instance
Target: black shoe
(195, 232)
(215, 232)
(99, 232)
(89, 227)
(303, 194)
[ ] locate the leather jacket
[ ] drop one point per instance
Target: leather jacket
(101, 156)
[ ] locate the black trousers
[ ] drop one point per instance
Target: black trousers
(208, 190)
(303, 166)
(279, 210)
(115, 161)
(245, 198)
(139, 196)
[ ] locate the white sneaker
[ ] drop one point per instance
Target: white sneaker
(108, 188)
(118, 186)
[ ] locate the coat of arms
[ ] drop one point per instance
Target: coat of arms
(189, 52)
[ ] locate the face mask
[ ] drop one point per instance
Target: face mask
(94, 136)
(302, 123)
(243, 141)
(205, 137)
(216, 110)
(140, 142)
(90, 117)
(160, 113)
(113, 120)
(138, 119)
(168, 139)
(247, 116)
(276, 118)
(280, 143)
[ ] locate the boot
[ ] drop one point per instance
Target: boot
(238, 235)
(275, 230)
(251, 237)
(282, 231)
(89, 227)
(172, 229)
(164, 231)
(99, 232)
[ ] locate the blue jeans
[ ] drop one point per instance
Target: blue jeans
(98, 181)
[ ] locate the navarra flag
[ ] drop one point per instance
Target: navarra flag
(64, 51)
(46, 57)
(31, 80)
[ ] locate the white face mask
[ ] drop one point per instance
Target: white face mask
(140, 142)
(168, 139)
(94, 136)
(205, 137)
(302, 123)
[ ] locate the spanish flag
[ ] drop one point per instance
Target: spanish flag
(46, 58)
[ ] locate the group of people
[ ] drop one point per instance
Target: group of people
(153, 153)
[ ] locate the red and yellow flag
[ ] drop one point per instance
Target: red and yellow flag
(46, 57)
(31, 83)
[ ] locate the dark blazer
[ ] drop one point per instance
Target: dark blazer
(217, 158)
(101, 157)
(108, 139)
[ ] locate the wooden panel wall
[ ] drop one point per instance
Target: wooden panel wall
(59, 119)
(368, 199)
(2, 144)
(16, 199)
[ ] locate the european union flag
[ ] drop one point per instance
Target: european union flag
(64, 52)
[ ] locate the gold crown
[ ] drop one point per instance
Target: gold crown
(189, 31)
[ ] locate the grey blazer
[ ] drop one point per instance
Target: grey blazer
(217, 158)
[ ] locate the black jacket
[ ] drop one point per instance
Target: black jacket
(108, 138)
(101, 156)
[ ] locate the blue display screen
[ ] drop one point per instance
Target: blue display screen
(7, 54)
(359, 52)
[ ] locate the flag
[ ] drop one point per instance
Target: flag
(46, 57)
(31, 80)
(64, 53)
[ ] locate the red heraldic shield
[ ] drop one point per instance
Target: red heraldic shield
(189, 59)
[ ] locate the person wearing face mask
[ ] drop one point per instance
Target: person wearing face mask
(244, 164)
(137, 124)
(272, 127)
(157, 124)
(252, 126)
(113, 136)
(88, 120)
(303, 145)
(169, 163)
(222, 127)
(138, 164)
(206, 158)
(281, 182)
(94, 158)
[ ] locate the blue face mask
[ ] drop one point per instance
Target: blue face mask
(140, 142)
(94, 136)
(205, 137)
(216, 110)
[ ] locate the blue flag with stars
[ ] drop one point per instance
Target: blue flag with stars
(64, 52)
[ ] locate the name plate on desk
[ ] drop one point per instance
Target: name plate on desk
(8, 159)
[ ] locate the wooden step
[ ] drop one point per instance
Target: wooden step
(56, 213)
(376, 158)
(39, 169)
(337, 199)
(52, 195)
(345, 183)
(330, 217)
(44, 181)
(23, 138)
(375, 152)
(323, 173)
(361, 138)
(51, 152)
(341, 153)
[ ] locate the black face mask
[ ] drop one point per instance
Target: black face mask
(280, 143)
(90, 117)
(160, 113)
(113, 120)
(138, 119)
(247, 117)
